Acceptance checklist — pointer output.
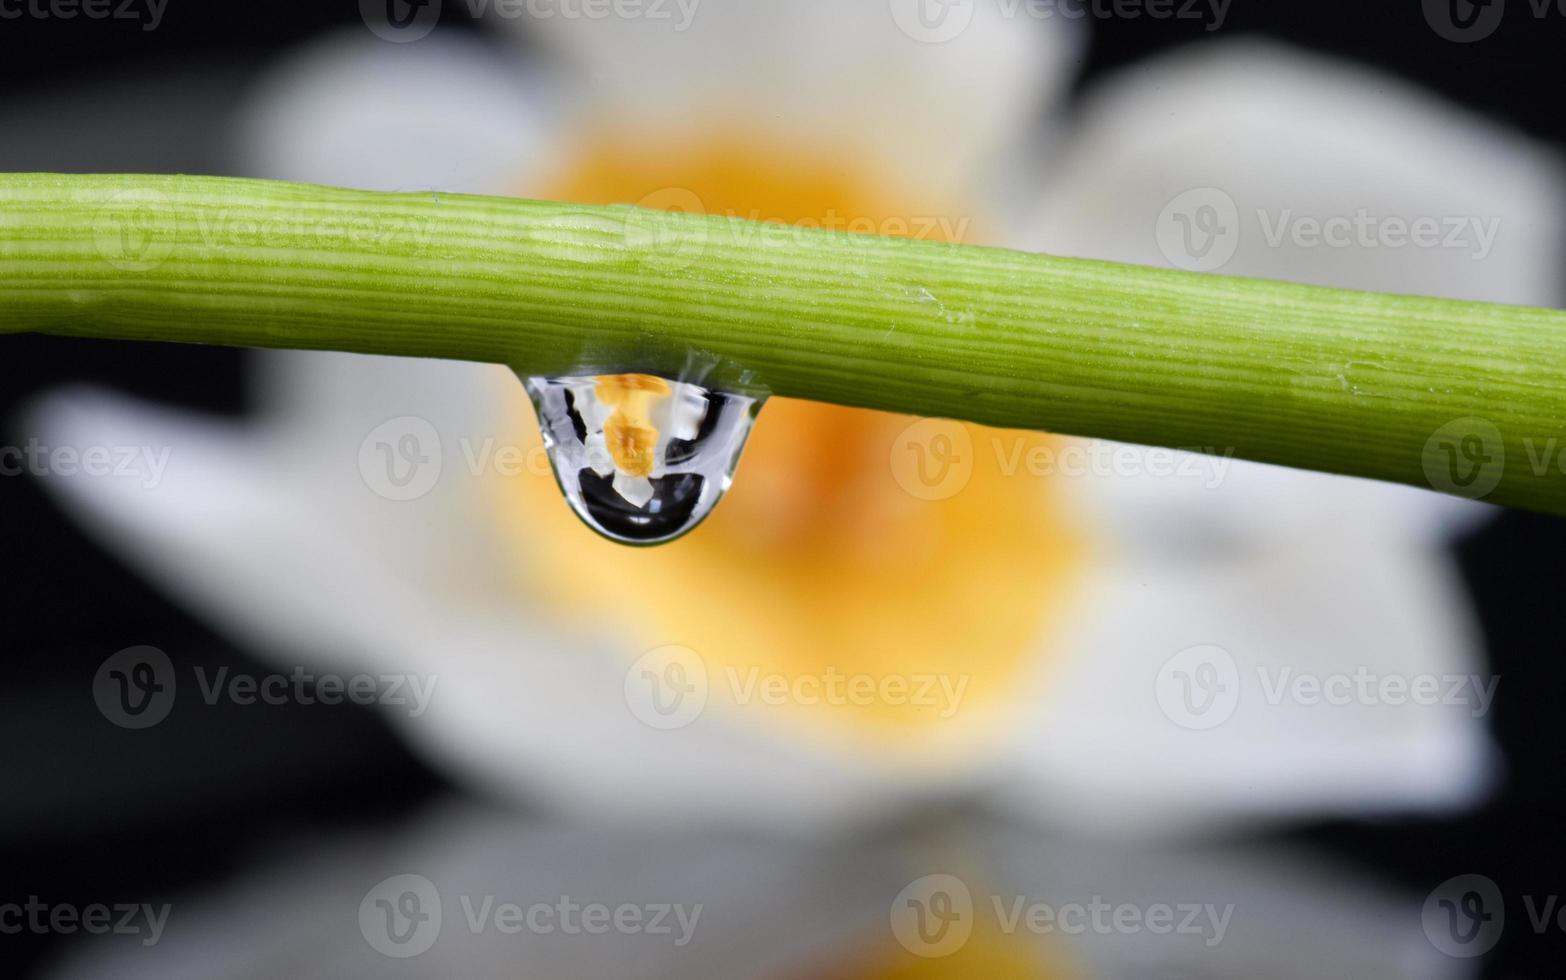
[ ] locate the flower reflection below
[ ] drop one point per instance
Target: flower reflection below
(641, 459)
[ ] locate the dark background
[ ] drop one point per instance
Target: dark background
(88, 814)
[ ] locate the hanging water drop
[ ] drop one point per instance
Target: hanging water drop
(642, 459)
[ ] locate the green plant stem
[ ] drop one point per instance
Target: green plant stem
(1348, 382)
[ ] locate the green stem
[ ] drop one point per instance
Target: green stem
(1467, 397)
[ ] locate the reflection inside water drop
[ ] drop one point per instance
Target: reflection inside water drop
(641, 459)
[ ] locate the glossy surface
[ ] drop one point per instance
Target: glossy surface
(641, 459)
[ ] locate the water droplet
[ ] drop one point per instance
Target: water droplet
(641, 459)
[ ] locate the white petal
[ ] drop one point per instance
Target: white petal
(1295, 136)
(1301, 915)
(1267, 141)
(1279, 569)
(530, 710)
(680, 416)
(316, 566)
(771, 908)
(299, 546)
(597, 453)
(634, 489)
(1176, 503)
(835, 75)
(299, 916)
(1123, 742)
(450, 112)
(334, 400)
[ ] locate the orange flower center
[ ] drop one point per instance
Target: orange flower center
(893, 582)
(629, 431)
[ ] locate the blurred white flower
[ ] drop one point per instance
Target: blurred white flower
(467, 893)
(1125, 640)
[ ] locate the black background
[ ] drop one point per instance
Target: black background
(90, 815)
